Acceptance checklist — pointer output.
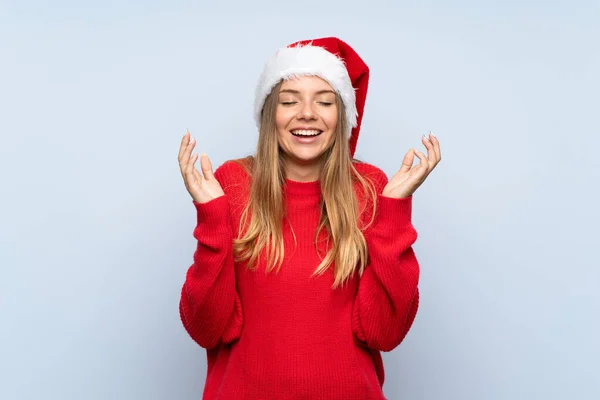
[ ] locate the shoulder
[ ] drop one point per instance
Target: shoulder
(373, 174)
(232, 171)
(234, 176)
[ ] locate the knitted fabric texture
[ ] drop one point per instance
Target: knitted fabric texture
(287, 335)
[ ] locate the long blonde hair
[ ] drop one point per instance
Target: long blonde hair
(340, 214)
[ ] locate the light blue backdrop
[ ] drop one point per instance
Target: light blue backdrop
(96, 225)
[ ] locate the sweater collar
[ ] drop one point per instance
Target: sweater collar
(302, 188)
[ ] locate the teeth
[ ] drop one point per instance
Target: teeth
(302, 132)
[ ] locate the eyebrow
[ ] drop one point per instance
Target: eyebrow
(298, 92)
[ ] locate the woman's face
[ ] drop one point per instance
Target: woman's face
(305, 119)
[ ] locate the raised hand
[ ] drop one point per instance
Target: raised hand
(202, 187)
(409, 177)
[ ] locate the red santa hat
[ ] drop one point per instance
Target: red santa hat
(332, 60)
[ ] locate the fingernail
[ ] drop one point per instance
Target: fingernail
(426, 138)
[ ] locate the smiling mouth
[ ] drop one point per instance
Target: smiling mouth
(306, 132)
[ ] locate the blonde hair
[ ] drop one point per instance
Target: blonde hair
(340, 214)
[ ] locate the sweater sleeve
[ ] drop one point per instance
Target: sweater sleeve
(387, 297)
(210, 307)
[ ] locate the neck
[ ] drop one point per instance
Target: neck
(302, 171)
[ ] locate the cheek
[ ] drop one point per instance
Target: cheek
(282, 118)
(330, 118)
(278, 120)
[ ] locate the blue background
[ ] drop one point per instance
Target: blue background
(96, 225)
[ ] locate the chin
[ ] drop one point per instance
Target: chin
(306, 156)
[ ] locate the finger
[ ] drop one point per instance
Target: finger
(184, 142)
(189, 168)
(188, 149)
(187, 153)
(423, 162)
(188, 146)
(206, 167)
(436, 147)
(197, 175)
(431, 154)
(427, 142)
(184, 152)
(407, 161)
(185, 157)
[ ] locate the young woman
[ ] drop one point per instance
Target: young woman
(304, 270)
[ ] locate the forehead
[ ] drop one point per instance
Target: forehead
(306, 83)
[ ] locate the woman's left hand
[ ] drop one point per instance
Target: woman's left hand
(409, 177)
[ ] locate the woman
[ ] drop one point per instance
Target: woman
(304, 270)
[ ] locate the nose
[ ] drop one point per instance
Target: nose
(307, 111)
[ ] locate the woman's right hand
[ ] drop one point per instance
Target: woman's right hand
(202, 189)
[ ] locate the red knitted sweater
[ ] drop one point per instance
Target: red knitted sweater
(286, 335)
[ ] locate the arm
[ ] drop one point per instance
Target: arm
(388, 297)
(210, 307)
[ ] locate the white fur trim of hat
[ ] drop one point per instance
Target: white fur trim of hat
(307, 60)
